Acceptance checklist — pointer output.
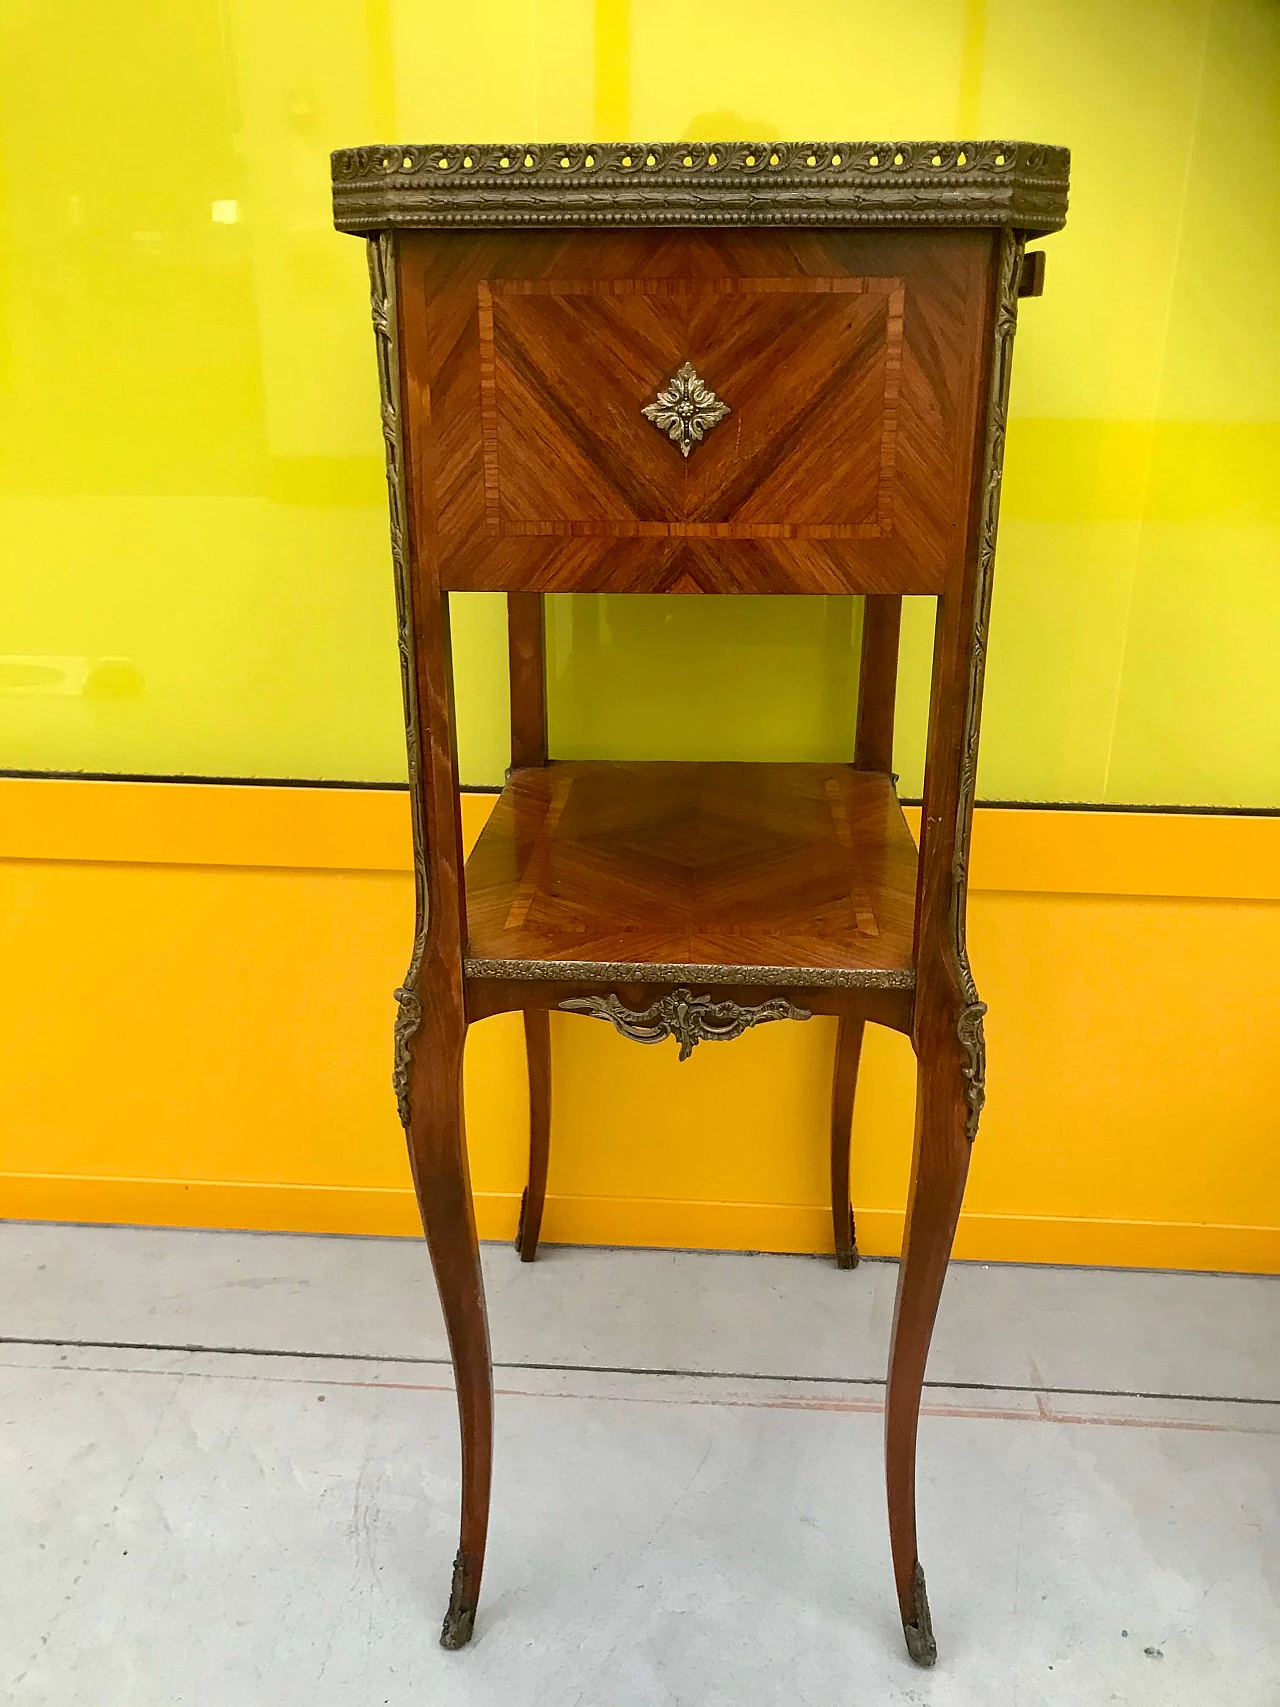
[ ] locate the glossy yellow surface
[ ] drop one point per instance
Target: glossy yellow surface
(209, 1044)
(195, 575)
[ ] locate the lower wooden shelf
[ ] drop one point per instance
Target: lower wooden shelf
(788, 874)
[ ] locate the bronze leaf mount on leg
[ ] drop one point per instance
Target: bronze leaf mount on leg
(972, 1038)
(408, 1021)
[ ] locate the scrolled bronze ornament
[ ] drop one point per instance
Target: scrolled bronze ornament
(686, 410)
(408, 1020)
(688, 1018)
(969, 1029)
(382, 302)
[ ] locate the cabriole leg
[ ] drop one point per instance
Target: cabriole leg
(537, 1044)
(844, 1084)
(438, 1154)
(939, 1167)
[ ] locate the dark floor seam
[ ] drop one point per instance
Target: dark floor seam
(630, 1369)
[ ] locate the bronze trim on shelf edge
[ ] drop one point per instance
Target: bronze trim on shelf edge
(635, 972)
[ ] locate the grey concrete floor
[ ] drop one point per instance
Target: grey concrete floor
(228, 1471)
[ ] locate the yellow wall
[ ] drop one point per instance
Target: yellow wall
(191, 511)
(201, 1035)
(194, 580)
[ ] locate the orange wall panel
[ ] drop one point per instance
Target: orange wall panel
(196, 1029)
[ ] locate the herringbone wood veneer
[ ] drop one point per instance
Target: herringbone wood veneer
(846, 358)
(694, 865)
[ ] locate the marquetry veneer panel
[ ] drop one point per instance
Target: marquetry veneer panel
(569, 362)
(849, 364)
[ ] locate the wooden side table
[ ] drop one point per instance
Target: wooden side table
(695, 368)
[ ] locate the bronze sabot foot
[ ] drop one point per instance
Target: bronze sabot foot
(460, 1619)
(919, 1634)
(848, 1256)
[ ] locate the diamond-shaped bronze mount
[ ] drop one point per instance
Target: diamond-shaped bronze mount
(687, 410)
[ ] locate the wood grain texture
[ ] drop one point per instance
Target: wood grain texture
(844, 1086)
(435, 1128)
(939, 1168)
(526, 648)
(694, 865)
(844, 360)
(878, 683)
(945, 993)
(537, 1043)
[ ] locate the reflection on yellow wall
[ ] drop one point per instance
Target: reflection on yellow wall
(195, 571)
